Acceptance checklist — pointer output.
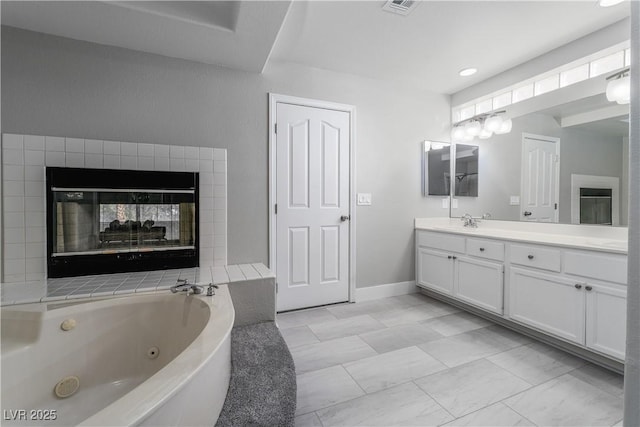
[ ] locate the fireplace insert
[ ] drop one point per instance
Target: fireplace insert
(109, 221)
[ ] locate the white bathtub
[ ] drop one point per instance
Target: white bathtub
(123, 380)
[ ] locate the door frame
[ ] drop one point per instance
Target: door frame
(274, 99)
(556, 141)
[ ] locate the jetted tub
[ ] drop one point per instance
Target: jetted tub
(146, 359)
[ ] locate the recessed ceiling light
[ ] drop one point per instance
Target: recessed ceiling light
(468, 72)
(607, 3)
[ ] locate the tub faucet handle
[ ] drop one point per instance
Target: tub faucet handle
(211, 289)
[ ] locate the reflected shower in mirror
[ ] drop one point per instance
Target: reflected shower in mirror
(436, 168)
(466, 170)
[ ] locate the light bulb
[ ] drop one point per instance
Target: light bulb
(473, 128)
(493, 123)
(485, 134)
(466, 72)
(619, 90)
(457, 133)
(505, 127)
(608, 3)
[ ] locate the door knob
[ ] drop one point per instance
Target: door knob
(344, 218)
(526, 213)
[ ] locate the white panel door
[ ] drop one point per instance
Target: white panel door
(312, 196)
(540, 184)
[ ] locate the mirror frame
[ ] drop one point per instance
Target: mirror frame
(427, 146)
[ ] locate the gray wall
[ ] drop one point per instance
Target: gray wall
(581, 152)
(62, 87)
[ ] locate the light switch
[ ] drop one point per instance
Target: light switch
(364, 199)
(514, 200)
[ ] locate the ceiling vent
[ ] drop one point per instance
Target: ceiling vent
(400, 7)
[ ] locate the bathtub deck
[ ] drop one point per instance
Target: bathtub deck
(104, 285)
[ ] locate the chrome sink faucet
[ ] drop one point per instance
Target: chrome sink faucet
(469, 221)
(183, 285)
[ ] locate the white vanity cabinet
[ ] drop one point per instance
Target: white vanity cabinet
(442, 266)
(547, 302)
(576, 295)
(436, 270)
(606, 316)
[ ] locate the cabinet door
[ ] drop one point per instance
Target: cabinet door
(606, 319)
(435, 270)
(480, 283)
(547, 302)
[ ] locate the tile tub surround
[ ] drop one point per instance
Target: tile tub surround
(419, 378)
(24, 158)
(604, 239)
(106, 285)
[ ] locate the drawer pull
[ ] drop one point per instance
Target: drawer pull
(530, 256)
(481, 249)
(578, 286)
(588, 288)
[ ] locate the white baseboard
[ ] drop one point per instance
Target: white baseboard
(386, 290)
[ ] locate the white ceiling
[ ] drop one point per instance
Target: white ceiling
(424, 50)
(439, 38)
(232, 34)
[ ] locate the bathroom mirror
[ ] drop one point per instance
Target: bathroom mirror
(589, 173)
(466, 170)
(436, 167)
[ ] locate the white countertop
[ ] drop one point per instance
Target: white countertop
(591, 237)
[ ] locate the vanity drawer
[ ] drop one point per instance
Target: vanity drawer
(444, 242)
(485, 249)
(535, 256)
(609, 267)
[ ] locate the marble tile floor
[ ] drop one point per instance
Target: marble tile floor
(413, 361)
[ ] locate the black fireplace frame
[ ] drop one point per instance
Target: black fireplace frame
(81, 265)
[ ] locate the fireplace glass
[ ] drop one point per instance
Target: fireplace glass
(142, 221)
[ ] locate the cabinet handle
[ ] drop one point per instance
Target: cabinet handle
(530, 256)
(455, 257)
(578, 286)
(449, 257)
(588, 288)
(481, 249)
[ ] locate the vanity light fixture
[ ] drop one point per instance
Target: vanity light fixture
(505, 127)
(482, 125)
(619, 87)
(485, 134)
(466, 72)
(473, 127)
(493, 123)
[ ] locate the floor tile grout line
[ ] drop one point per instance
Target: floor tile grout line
(433, 398)
(514, 410)
(513, 373)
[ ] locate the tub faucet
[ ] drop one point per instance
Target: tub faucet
(183, 285)
(469, 221)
